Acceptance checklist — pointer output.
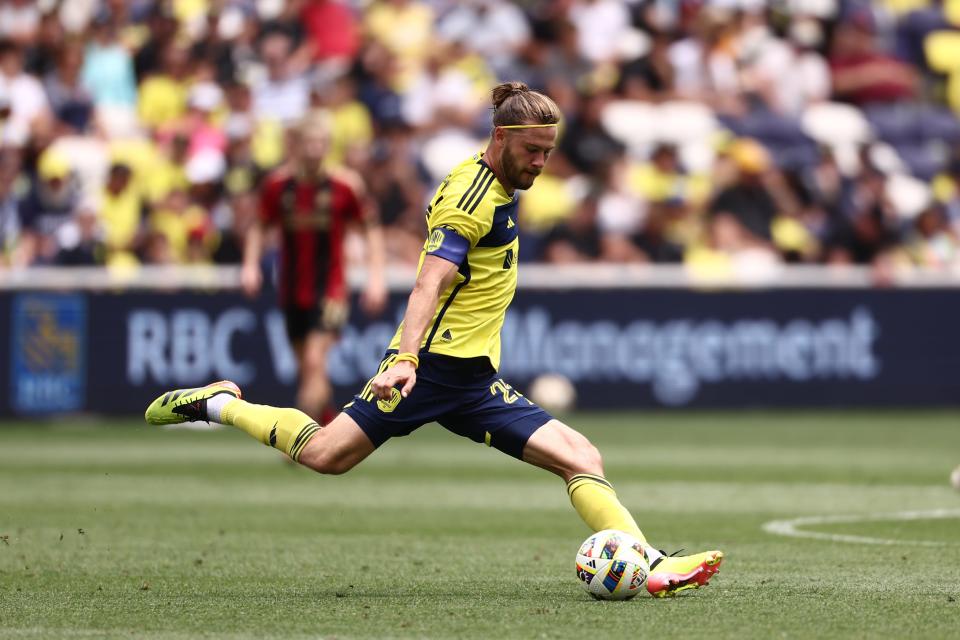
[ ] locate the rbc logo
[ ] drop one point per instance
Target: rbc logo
(49, 367)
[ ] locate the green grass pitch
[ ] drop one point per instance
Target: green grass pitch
(117, 530)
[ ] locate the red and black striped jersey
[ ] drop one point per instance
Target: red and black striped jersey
(313, 215)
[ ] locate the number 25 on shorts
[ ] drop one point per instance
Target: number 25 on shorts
(510, 395)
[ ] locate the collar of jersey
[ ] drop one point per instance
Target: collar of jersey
(496, 181)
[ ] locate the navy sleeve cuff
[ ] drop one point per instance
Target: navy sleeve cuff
(447, 244)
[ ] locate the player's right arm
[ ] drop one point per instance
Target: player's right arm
(435, 276)
(251, 275)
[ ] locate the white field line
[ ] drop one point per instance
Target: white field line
(791, 528)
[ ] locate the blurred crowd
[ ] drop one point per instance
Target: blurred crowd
(717, 133)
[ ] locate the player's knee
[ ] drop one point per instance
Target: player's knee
(327, 464)
(585, 457)
(568, 453)
(588, 459)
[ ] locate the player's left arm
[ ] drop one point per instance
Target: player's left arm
(434, 278)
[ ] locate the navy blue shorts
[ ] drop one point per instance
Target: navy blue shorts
(462, 394)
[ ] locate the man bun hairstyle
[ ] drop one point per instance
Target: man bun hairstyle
(515, 104)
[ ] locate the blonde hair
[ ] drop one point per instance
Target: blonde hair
(515, 104)
(314, 121)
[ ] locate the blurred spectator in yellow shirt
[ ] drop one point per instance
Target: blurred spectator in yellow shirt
(173, 219)
(351, 125)
(166, 171)
(121, 211)
(163, 95)
(663, 177)
(405, 28)
(186, 217)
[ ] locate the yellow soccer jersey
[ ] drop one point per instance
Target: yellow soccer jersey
(472, 222)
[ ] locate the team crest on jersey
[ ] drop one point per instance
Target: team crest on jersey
(435, 241)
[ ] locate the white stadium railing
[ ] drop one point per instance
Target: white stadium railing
(532, 276)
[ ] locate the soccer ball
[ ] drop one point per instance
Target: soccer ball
(955, 478)
(553, 392)
(612, 565)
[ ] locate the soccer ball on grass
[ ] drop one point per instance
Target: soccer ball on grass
(612, 565)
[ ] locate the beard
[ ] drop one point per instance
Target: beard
(517, 176)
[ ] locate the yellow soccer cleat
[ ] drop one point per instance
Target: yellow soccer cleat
(673, 574)
(184, 405)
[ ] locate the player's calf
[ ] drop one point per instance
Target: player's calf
(562, 450)
(325, 461)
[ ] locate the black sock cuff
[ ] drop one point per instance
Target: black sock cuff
(300, 442)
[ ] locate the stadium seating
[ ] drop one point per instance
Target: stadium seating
(408, 111)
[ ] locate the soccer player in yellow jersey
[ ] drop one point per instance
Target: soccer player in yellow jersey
(442, 363)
